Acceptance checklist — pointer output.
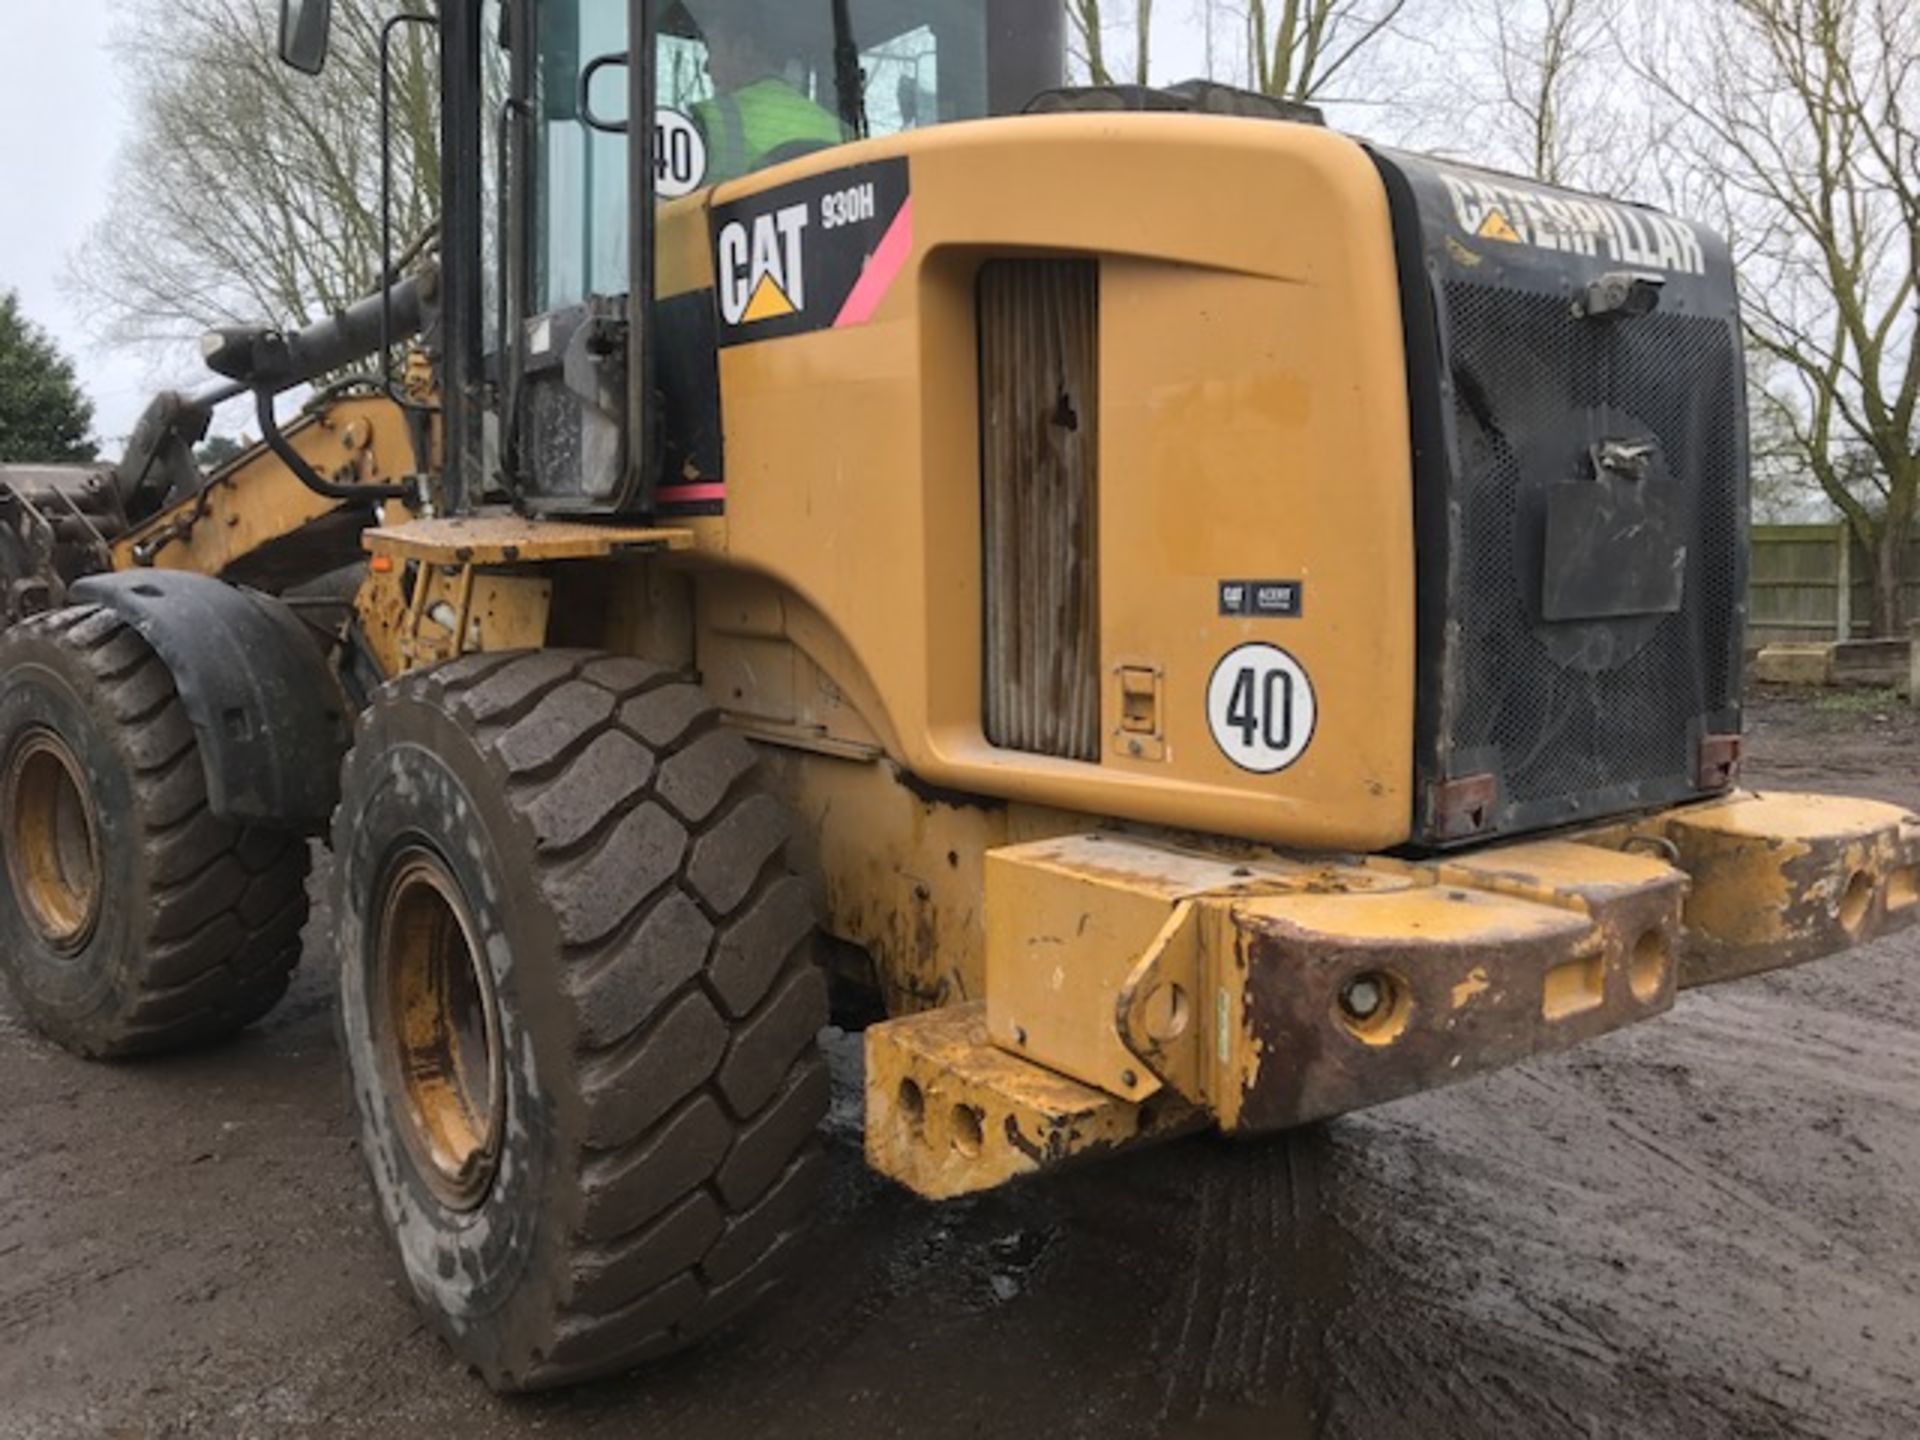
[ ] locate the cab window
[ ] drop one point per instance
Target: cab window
(743, 85)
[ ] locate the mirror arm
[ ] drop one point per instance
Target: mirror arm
(388, 264)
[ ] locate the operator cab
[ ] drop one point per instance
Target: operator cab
(551, 367)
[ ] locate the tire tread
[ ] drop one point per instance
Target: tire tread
(225, 903)
(696, 1059)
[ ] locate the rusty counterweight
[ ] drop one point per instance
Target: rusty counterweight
(1137, 986)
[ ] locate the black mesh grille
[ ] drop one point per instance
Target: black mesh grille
(1570, 734)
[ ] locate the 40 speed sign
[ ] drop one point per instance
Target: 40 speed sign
(1261, 709)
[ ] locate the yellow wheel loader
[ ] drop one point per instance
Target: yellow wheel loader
(1214, 623)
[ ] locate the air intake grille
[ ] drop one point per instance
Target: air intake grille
(1039, 420)
(1582, 723)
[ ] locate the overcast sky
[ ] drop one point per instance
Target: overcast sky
(63, 114)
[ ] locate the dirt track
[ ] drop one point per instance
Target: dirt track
(1706, 1227)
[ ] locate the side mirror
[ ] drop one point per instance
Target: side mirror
(305, 28)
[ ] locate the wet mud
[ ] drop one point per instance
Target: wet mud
(1705, 1227)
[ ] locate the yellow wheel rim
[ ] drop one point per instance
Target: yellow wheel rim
(442, 1030)
(52, 841)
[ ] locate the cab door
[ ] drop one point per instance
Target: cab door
(571, 340)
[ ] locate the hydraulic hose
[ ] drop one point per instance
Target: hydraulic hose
(305, 473)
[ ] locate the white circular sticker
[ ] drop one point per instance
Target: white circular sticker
(679, 155)
(1261, 709)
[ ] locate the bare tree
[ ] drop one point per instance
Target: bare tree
(251, 193)
(1801, 121)
(1537, 87)
(1089, 39)
(1537, 65)
(1091, 28)
(1296, 49)
(1561, 104)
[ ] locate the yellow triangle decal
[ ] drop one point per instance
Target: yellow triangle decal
(1497, 227)
(769, 302)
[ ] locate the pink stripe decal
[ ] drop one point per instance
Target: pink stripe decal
(882, 270)
(691, 494)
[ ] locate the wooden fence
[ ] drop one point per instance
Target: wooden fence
(1814, 582)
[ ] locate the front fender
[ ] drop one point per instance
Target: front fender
(272, 720)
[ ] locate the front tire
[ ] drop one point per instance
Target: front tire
(580, 1002)
(132, 920)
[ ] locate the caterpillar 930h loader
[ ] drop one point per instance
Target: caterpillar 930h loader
(1221, 624)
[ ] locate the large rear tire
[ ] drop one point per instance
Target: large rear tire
(580, 1002)
(131, 919)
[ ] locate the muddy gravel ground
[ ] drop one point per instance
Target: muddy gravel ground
(1705, 1227)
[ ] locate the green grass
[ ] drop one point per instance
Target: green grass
(1859, 702)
